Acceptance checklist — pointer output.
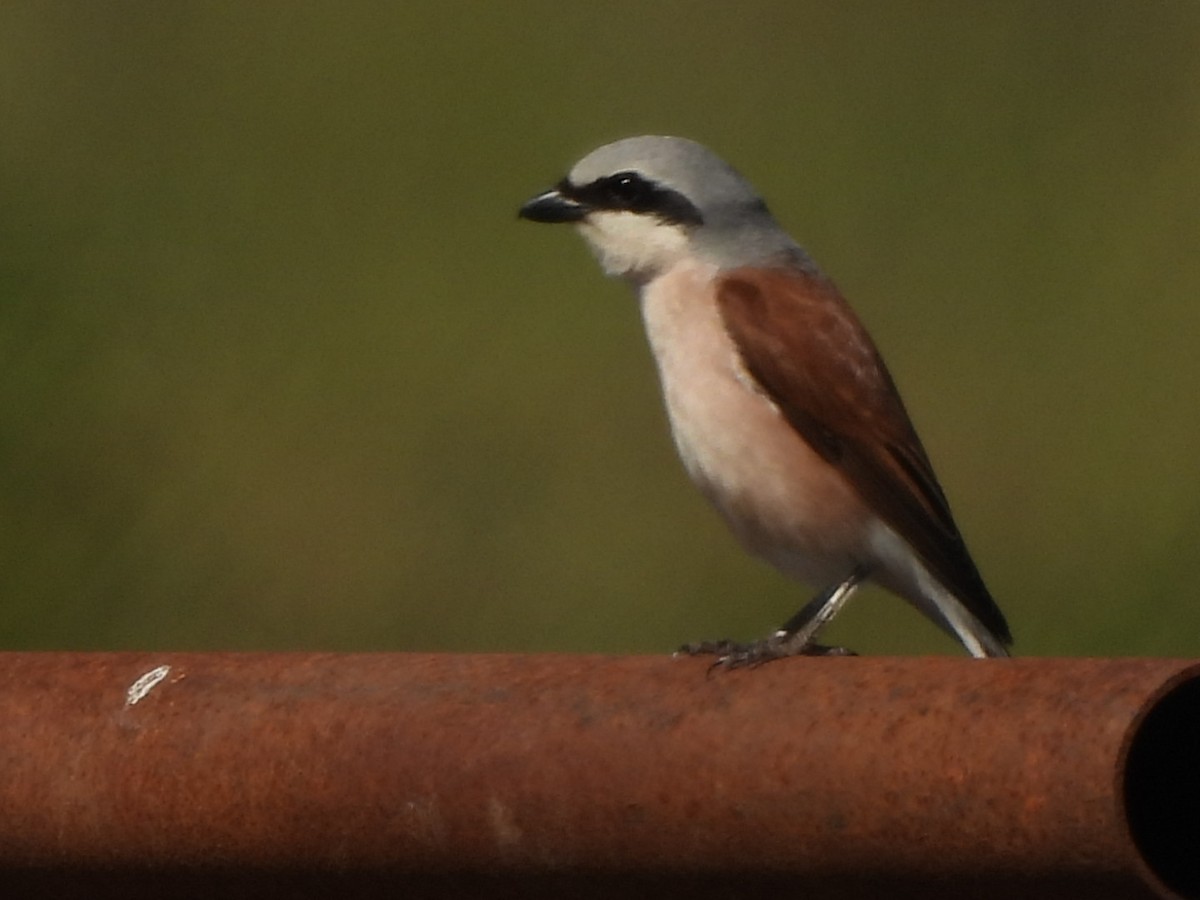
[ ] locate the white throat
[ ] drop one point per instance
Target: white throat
(629, 245)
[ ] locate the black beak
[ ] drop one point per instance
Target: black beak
(552, 206)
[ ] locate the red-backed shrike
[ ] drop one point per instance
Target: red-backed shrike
(780, 406)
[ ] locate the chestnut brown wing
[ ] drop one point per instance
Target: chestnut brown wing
(808, 352)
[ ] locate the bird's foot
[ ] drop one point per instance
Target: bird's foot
(735, 655)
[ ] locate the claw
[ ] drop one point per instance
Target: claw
(734, 655)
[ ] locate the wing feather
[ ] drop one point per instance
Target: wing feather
(801, 342)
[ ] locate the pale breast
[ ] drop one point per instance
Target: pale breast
(782, 500)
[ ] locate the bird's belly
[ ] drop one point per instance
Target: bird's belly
(782, 500)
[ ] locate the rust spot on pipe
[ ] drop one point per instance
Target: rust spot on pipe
(439, 775)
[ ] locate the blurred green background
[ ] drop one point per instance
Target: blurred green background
(279, 368)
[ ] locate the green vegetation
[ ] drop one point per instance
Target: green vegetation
(279, 368)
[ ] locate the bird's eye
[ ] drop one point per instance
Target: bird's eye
(628, 190)
(631, 192)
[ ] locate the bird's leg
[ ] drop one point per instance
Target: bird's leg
(801, 629)
(796, 637)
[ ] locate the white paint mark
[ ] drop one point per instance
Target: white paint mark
(144, 685)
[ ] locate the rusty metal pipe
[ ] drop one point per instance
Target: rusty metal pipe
(305, 775)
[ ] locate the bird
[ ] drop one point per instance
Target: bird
(779, 403)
